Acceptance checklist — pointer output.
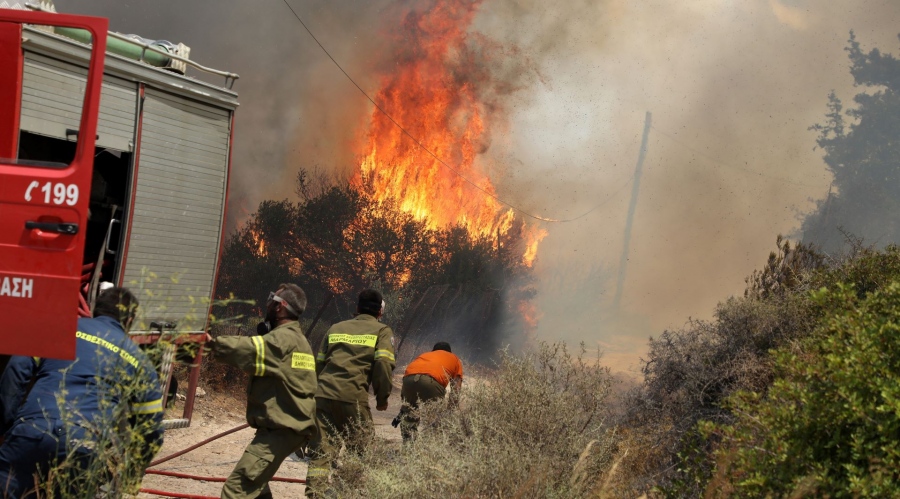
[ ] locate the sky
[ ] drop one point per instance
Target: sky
(733, 87)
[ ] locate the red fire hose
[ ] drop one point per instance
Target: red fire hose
(216, 478)
(197, 477)
(201, 444)
(176, 494)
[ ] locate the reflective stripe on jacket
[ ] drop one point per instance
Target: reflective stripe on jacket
(282, 388)
(353, 355)
(109, 373)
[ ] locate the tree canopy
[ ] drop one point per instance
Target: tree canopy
(334, 240)
(862, 151)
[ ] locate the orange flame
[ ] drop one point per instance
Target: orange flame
(531, 315)
(533, 237)
(432, 93)
(259, 242)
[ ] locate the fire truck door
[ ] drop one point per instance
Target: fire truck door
(43, 206)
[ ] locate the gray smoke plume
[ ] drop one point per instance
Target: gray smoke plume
(733, 87)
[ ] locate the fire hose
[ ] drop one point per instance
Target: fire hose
(176, 494)
(198, 477)
(217, 478)
(200, 444)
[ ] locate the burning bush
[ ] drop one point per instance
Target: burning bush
(336, 240)
(420, 208)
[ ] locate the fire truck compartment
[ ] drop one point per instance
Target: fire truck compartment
(161, 170)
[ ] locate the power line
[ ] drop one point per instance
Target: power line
(720, 162)
(605, 201)
(422, 146)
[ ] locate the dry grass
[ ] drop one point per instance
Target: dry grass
(537, 429)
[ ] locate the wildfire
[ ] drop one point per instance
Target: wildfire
(259, 242)
(532, 239)
(433, 94)
(531, 315)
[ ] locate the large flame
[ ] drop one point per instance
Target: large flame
(259, 244)
(432, 93)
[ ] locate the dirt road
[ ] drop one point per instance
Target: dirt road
(216, 414)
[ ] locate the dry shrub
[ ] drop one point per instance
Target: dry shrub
(687, 375)
(690, 372)
(536, 428)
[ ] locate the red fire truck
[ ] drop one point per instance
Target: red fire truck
(114, 169)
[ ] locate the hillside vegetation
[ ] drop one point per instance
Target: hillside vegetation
(791, 390)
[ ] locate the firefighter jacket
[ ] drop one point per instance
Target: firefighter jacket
(353, 355)
(282, 388)
(110, 381)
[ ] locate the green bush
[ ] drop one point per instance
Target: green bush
(829, 423)
(690, 372)
(865, 268)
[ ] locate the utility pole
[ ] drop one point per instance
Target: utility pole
(631, 208)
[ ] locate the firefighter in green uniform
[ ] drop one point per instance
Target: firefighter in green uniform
(353, 355)
(281, 396)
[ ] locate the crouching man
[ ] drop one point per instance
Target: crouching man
(425, 380)
(281, 402)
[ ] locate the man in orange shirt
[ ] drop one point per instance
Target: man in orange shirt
(426, 379)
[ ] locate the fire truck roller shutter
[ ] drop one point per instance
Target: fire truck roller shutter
(178, 205)
(52, 95)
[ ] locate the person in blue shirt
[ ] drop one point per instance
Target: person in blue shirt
(95, 420)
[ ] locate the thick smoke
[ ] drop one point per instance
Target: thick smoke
(733, 87)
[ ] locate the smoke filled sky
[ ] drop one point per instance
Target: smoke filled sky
(733, 86)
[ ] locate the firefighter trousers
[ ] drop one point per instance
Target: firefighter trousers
(347, 423)
(417, 389)
(261, 460)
